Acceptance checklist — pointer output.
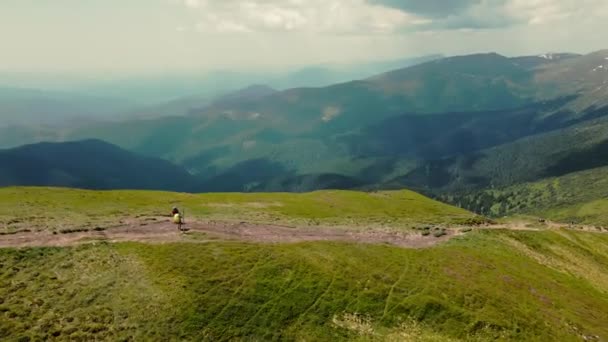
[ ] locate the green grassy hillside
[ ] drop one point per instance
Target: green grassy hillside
(579, 197)
(57, 208)
(489, 285)
(485, 285)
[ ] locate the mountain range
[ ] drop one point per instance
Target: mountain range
(448, 126)
(24, 107)
(90, 164)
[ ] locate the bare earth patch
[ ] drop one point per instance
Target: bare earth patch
(163, 231)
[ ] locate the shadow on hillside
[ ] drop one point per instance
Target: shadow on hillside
(263, 175)
(246, 175)
(435, 136)
(460, 150)
(589, 158)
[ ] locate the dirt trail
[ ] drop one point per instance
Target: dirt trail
(544, 225)
(163, 231)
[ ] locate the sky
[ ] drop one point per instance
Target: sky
(181, 35)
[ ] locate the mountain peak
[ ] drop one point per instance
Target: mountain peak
(547, 56)
(258, 88)
(554, 56)
(249, 93)
(603, 53)
(484, 55)
(481, 64)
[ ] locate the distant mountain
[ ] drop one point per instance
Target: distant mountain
(468, 83)
(37, 107)
(448, 125)
(325, 75)
(154, 90)
(13, 136)
(550, 148)
(534, 62)
(585, 76)
(250, 93)
(194, 92)
(454, 133)
(192, 104)
(90, 164)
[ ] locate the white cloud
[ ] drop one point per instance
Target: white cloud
(280, 34)
(492, 14)
(368, 17)
(310, 16)
(539, 12)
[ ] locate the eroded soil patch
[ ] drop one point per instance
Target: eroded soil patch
(162, 231)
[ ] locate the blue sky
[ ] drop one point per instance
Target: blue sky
(182, 35)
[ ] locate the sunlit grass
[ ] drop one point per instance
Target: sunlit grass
(58, 208)
(476, 287)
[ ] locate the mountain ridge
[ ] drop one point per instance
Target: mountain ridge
(432, 127)
(90, 164)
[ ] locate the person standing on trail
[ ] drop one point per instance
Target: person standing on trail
(177, 217)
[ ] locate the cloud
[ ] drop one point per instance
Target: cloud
(192, 3)
(457, 14)
(536, 12)
(180, 35)
(369, 17)
(304, 16)
(491, 14)
(429, 8)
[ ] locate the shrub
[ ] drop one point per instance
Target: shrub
(73, 230)
(440, 233)
(475, 221)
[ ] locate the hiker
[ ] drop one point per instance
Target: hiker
(177, 217)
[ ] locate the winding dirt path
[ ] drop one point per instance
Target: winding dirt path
(163, 231)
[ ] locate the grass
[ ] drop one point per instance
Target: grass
(66, 209)
(578, 197)
(592, 212)
(485, 285)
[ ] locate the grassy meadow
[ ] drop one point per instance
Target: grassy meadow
(488, 285)
(485, 285)
(58, 208)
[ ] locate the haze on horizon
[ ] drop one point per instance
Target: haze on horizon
(165, 36)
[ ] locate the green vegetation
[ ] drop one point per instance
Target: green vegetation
(486, 285)
(576, 197)
(554, 153)
(482, 285)
(92, 164)
(66, 209)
